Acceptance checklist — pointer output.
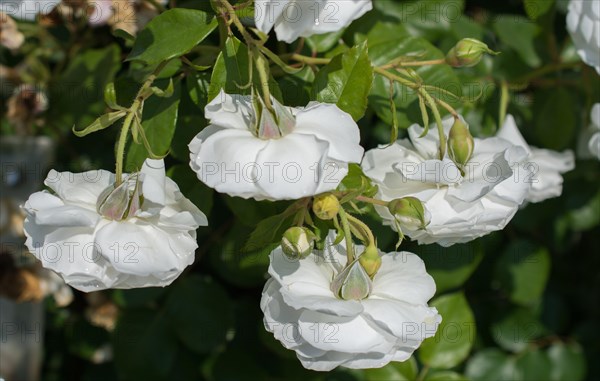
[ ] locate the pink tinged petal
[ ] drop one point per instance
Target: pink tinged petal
(403, 277)
(341, 333)
(137, 249)
(230, 111)
(79, 188)
(330, 124)
(292, 167)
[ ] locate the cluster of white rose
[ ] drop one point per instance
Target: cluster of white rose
(99, 231)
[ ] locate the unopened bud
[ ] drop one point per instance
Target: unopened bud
(460, 143)
(353, 283)
(121, 202)
(467, 53)
(410, 213)
(326, 207)
(370, 260)
(297, 242)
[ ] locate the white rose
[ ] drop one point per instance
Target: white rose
(27, 9)
(463, 207)
(326, 332)
(303, 18)
(583, 22)
(547, 165)
(148, 247)
(311, 158)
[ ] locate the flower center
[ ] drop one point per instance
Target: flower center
(122, 202)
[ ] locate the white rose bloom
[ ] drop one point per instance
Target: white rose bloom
(303, 313)
(547, 165)
(27, 9)
(583, 22)
(463, 207)
(149, 246)
(309, 158)
(303, 18)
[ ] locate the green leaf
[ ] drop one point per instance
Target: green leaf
(158, 121)
(232, 72)
(171, 34)
(296, 88)
(455, 335)
(556, 123)
(240, 267)
(523, 271)
(137, 336)
(394, 371)
(270, 230)
(517, 330)
(322, 43)
(346, 81)
(536, 8)
(451, 266)
(101, 123)
(77, 96)
(534, 366)
(519, 34)
(137, 297)
(200, 313)
(166, 93)
(491, 365)
(568, 362)
(110, 96)
(197, 87)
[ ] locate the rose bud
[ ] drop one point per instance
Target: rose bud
(467, 53)
(460, 143)
(410, 212)
(297, 242)
(370, 260)
(326, 207)
(353, 283)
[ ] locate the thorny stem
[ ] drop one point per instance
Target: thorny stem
(439, 61)
(141, 96)
(347, 235)
(372, 201)
(363, 227)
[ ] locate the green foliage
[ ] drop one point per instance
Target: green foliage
(346, 81)
(455, 335)
(171, 34)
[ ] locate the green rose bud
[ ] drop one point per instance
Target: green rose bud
(410, 212)
(467, 53)
(353, 283)
(297, 242)
(460, 143)
(370, 260)
(121, 202)
(326, 207)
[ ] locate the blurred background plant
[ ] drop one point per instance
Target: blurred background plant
(521, 304)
